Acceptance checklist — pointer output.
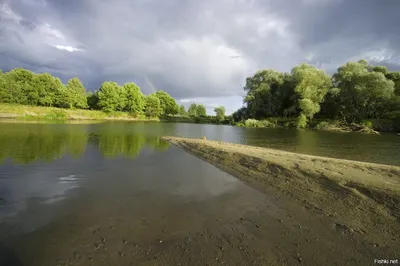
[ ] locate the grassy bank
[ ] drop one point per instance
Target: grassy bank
(363, 199)
(27, 112)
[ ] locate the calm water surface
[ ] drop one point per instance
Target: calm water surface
(119, 171)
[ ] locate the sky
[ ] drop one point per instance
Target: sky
(197, 51)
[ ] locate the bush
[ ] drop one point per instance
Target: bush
(259, 123)
(367, 123)
(323, 125)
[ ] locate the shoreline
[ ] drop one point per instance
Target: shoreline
(40, 113)
(363, 198)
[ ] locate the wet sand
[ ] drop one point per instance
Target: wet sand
(352, 208)
(283, 213)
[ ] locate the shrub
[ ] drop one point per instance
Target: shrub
(259, 123)
(367, 123)
(323, 125)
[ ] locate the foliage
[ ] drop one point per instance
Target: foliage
(312, 85)
(258, 123)
(153, 106)
(357, 91)
(111, 97)
(167, 103)
(362, 93)
(192, 111)
(220, 113)
(269, 93)
(201, 110)
(74, 95)
(322, 125)
(182, 110)
(135, 101)
(24, 87)
(92, 99)
(395, 77)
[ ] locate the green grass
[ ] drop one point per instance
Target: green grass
(27, 112)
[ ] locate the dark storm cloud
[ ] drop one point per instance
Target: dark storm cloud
(186, 47)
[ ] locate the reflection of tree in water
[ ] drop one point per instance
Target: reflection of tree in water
(25, 143)
(157, 143)
(113, 143)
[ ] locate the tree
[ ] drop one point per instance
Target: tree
(168, 104)
(312, 85)
(220, 113)
(262, 93)
(16, 87)
(153, 106)
(93, 100)
(182, 110)
(45, 89)
(134, 98)
(240, 115)
(362, 93)
(192, 111)
(395, 77)
(109, 96)
(76, 94)
(201, 110)
(381, 69)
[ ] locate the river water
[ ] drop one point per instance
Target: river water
(68, 191)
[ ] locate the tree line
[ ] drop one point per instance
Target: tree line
(22, 86)
(355, 92)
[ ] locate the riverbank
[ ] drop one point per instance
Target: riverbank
(359, 200)
(27, 112)
(374, 126)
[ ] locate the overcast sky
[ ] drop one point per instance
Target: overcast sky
(195, 50)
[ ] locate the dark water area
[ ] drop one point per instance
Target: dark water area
(67, 189)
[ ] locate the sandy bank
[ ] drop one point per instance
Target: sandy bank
(364, 198)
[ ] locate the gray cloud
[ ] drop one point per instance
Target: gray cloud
(185, 47)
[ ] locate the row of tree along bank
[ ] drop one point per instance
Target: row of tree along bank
(358, 96)
(23, 87)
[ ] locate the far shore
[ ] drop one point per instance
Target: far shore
(42, 113)
(364, 198)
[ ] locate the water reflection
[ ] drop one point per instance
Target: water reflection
(27, 143)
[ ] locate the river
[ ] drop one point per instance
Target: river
(102, 193)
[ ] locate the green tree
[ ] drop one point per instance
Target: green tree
(270, 93)
(135, 101)
(220, 113)
(109, 96)
(16, 87)
(262, 93)
(240, 115)
(93, 100)
(201, 110)
(362, 93)
(192, 111)
(153, 106)
(312, 85)
(45, 89)
(395, 77)
(182, 110)
(381, 69)
(168, 104)
(75, 94)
